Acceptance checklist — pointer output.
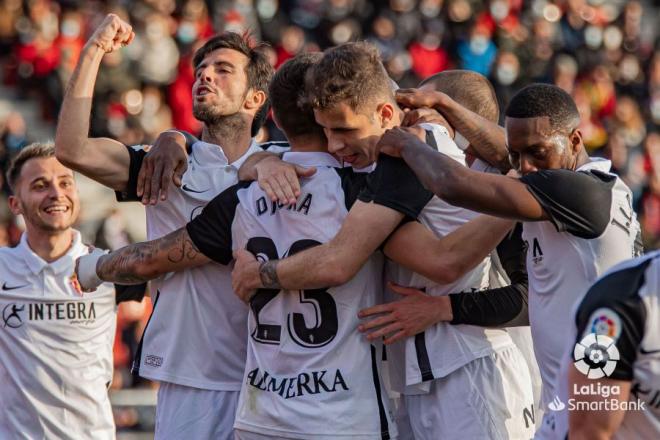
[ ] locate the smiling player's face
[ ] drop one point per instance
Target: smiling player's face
(46, 195)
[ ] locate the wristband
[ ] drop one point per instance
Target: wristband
(86, 270)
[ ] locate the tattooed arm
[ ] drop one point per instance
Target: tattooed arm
(141, 262)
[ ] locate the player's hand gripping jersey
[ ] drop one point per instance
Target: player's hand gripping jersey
(309, 373)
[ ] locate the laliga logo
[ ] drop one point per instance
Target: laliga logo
(595, 356)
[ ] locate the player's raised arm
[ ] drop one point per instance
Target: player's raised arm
(102, 159)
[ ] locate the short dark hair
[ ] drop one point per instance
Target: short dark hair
(287, 93)
(538, 100)
(350, 72)
(470, 89)
(32, 151)
(258, 70)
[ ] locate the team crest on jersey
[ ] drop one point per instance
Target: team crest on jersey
(606, 322)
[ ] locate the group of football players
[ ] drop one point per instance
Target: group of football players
(401, 268)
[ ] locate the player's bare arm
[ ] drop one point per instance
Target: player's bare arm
(331, 264)
(496, 195)
(486, 137)
(441, 259)
(140, 262)
(590, 424)
(102, 159)
(446, 259)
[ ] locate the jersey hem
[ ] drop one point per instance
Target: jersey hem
(177, 380)
(257, 429)
(439, 373)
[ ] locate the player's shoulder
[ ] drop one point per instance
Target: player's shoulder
(625, 281)
(276, 147)
(9, 254)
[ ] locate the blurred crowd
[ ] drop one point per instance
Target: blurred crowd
(606, 53)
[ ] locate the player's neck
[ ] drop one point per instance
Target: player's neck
(308, 144)
(581, 159)
(232, 133)
(50, 246)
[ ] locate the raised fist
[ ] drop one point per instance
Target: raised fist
(112, 34)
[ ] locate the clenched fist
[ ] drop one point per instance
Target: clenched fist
(112, 34)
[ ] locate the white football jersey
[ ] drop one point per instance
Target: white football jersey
(196, 334)
(624, 305)
(444, 347)
(592, 227)
(55, 349)
(309, 373)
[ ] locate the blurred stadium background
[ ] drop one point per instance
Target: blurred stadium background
(606, 53)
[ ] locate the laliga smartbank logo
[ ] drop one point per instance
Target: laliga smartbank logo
(595, 356)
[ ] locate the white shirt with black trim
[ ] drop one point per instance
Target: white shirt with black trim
(309, 373)
(592, 227)
(55, 348)
(196, 334)
(624, 305)
(444, 347)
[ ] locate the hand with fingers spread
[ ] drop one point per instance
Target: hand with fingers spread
(165, 163)
(404, 318)
(279, 179)
(396, 139)
(245, 278)
(112, 34)
(425, 115)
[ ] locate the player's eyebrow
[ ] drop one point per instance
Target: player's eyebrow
(37, 179)
(223, 63)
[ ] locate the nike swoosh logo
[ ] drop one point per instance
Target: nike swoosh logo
(6, 287)
(185, 187)
(641, 350)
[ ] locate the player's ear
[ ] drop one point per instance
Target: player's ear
(576, 144)
(15, 205)
(254, 99)
(386, 113)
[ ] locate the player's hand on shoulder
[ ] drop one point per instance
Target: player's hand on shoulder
(280, 179)
(245, 278)
(165, 163)
(404, 318)
(85, 270)
(416, 98)
(396, 139)
(427, 115)
(112, 34)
